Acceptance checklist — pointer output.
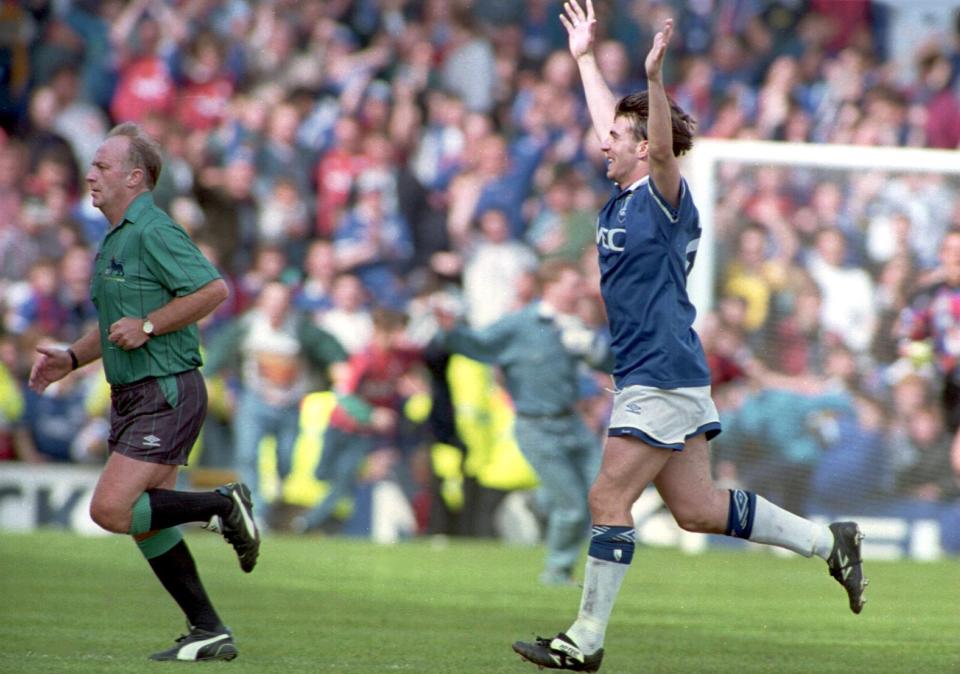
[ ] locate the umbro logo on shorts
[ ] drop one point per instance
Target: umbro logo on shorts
(151, 441)
(634, 407)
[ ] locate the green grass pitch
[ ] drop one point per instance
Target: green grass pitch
(73, 604)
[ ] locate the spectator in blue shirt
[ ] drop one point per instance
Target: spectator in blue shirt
(374, 244)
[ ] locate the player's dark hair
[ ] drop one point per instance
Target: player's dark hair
(636, 108)
(144, 152)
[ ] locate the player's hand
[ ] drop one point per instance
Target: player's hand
(51, 365)
(128, 334)
(581, 26)
(654, 62)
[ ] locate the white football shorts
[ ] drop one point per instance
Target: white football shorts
(664, 417)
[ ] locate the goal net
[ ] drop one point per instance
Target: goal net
(809, 255)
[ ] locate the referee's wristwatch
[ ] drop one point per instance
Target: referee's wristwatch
(148, 327)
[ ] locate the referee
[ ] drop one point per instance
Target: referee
(150, 286)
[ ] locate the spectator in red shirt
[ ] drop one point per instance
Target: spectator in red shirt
(939, 101)
(208, 86)
(336, 172)
(371, 389)
(145, 83)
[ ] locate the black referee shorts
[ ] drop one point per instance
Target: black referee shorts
(146, 426)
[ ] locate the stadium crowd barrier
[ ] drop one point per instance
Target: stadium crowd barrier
(33, 497)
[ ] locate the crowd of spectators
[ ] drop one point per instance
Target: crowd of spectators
(365, 153)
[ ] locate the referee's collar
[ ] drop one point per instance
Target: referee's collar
(140, 203)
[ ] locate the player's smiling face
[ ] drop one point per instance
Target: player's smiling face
(625, 154)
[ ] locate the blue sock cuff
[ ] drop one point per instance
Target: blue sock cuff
(613, 544)
(743, 506)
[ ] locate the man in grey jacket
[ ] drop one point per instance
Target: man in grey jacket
(539, 349)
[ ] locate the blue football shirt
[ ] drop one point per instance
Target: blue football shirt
(646, 250)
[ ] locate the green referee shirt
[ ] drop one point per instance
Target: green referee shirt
(143, 263)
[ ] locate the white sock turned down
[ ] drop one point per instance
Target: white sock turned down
(772, 525)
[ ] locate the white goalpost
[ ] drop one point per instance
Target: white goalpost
(700, 168)
(875, 182)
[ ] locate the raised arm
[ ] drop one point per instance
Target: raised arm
(664, 166)
(125, 23)
(581, 28)
(485, 345)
